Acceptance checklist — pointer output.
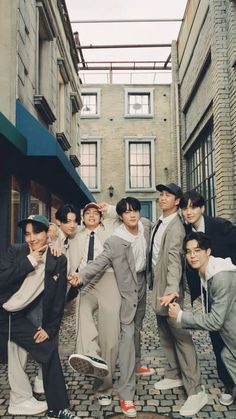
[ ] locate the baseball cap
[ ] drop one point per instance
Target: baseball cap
(37, 218)
(172, 188)
(91, 205)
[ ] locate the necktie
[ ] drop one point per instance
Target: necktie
(66, 243)
(152, 241)
(91, 247)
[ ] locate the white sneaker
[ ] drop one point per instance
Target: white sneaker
(28, 407)
(38, 385)
(168, 384)
(104, 400)
(226, 399)
(194, 404)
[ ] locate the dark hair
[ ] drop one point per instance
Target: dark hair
(202, 239)
(36, 227)
(63, 211)
(128, 203)
(196, 199)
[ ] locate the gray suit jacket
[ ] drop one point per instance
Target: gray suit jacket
(118, 254)
(169, 267)
(222, 295)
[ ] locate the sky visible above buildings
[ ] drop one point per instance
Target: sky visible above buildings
(126, 33)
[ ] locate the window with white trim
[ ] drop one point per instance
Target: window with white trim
(90, 163)
(140, 165)
(139, 103)
(91, 103)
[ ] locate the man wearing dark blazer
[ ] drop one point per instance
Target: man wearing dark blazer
(223, 238)
(33, 283)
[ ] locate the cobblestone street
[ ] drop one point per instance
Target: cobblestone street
(148, 400)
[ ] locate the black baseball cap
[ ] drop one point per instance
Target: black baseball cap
(170, 187)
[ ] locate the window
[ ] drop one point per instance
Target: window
(138, 103)
(140, 164)
(201, 169)
(91, 103)
(15, 209)
(90, 163)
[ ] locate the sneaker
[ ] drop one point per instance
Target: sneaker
(38, 385)
(28, 407)
(61, 414)
(88, 365)
(104, 400)
(128, 408)
(226, 399)
(144, 371)
(194, 404)
(168, 384)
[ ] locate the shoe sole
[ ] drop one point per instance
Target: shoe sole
(87, 367)
(192, 413)
(129, 415)
(104, 403)
(26, 413)
(226, 403)
(167, 387)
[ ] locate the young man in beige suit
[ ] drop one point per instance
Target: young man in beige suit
(167, 241)
(97, 342)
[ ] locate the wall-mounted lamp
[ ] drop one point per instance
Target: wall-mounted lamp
(111, 191)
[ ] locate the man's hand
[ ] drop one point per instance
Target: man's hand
(103, 206)
(74, 279)
(174, 310)
(55, 251)
(38, 254)
(169, 298)
(41, 335)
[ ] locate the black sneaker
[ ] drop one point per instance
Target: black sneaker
(88, 365)
(61, 414)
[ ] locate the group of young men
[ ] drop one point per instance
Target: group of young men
(108, 262)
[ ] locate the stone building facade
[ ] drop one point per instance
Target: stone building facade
(204, 68)
(127, 142)
(39, 105)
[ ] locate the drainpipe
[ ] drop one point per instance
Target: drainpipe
(177, 132)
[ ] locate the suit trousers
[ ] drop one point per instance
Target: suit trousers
(178, 347)
(230, 362)
(100, 337)
(218, 345)
(46, 353)
(139, 316)
(20, 386)
(127, 381)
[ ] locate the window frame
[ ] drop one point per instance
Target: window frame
(139, 91)
(91, 91)
(199, 159)
(151, 141)
(97, 141)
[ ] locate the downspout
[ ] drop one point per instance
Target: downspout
(176, 88)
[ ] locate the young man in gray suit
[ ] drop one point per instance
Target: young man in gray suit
(126, 252)
(218, 279)
(167, 259)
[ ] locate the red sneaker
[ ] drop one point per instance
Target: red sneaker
(128, 408)
(144, 371)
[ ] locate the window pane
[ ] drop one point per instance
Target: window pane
(89, 104)
(140, 165)
(139, 104)
(88, 168)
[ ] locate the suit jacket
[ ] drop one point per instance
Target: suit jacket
(223, 240)
(168, 272)
(15, 266)
(118, 254)
(222, 296)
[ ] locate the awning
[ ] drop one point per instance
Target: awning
(9, 134)
(47, 161)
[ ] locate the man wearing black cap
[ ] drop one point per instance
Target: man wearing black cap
(33, 284)
(167, 267)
